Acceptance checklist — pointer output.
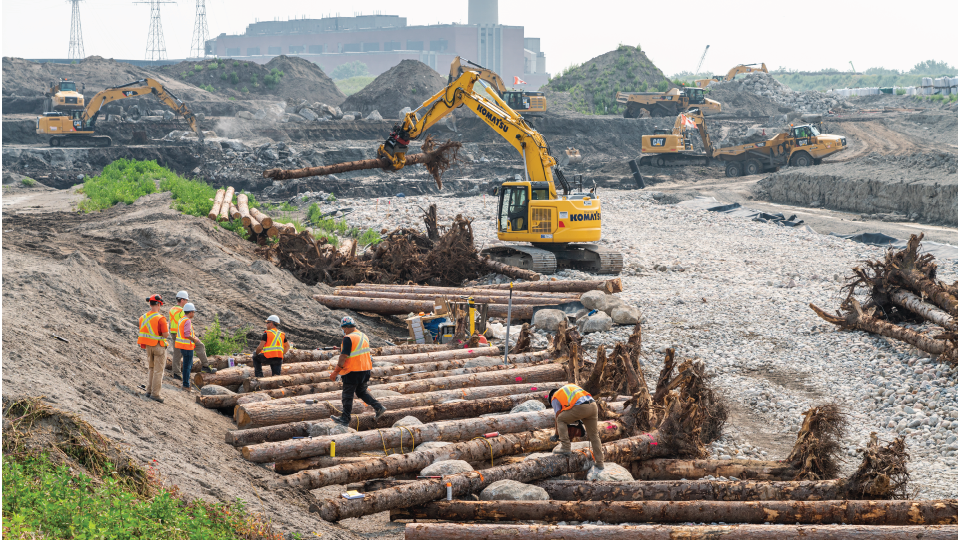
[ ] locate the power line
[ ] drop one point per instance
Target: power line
(76, 34)
(156, 50)
(200, 33)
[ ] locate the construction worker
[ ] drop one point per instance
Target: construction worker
(200, 353)
(571, 404)
(186, 342)
(152, 338)
(353, 367)
(273, 345)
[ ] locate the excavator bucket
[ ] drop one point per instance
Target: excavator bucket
(570, 156)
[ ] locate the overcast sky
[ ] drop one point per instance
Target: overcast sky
(786, 34)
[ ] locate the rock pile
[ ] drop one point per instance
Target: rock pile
(765, 86)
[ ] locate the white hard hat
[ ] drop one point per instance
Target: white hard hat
(274, 319)
(183, 295)
(188, 307)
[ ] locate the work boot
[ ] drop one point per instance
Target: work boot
(379, 412)
(340, 420)
(207, 370)
(158, 399)
(177, 377)
(561, 450)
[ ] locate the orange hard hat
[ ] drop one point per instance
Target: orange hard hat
(156, 298)
(483, 340)
(421, 314)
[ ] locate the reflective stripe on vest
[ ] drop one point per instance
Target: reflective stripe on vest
(274, 348)
(182, 342)
(176, 315)
(568, 395)
(150, 330)
(359, 358)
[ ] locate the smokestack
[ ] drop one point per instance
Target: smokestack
(482, 12)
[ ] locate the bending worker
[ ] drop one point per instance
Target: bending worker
(152, 338)
(200, 352)
(572, 403)
(353, 367)
(273, 345)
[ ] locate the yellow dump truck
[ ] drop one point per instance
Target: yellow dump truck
(670, 103)
(63, 96)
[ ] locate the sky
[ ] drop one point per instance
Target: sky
(878, 34)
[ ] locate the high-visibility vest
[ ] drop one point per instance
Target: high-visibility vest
(150, 330)
(274, 348)
(176, 315)
(183, 341)
(568, 395)
(359, 358)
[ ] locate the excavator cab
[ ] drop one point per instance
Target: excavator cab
(695, 95)
(513, 207)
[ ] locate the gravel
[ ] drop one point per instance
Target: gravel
(735, 294)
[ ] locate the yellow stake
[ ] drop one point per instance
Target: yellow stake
(333, 449)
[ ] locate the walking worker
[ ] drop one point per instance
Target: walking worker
(273, 345)
(152, 338)
(200, 352)
(187, 342)
(353, 367)
(571, 404)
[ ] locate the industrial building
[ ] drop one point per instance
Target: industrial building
(382, 41)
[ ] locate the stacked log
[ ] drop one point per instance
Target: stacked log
(217, 202)
(264, 220)
(609, 286)
(393, 306)
(227, 202)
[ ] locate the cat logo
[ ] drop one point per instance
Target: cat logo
(129, 93)
(658, 141)
(802, 142)
(761, 145)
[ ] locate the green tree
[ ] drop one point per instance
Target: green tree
(350, 69)
(933, 67)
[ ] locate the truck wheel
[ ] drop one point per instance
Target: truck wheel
(802, 159)
(734, 169)
(752, 167)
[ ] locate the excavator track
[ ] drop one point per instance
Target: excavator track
(547, 258)
(539, 260)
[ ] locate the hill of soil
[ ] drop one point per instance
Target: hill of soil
(406, 84)
(301, 79)
(593, 85)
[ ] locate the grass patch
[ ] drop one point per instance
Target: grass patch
(353, 85)
(218, 342)
(28, 182)
(124, 181)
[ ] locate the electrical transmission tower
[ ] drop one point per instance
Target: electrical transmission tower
(76, 35)
(156, 50)
(200, 34)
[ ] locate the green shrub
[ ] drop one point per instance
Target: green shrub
(183, 74)
(121, 181)
(234, 78)
(28, 182)
(236, 63)
(662, 86)
(273, 79)
(313, 213)
(369, 237)
(353, 85)
(245, 90)
(218, 342)
(643, 86)
(901, 91)
(253, 78)
(331, 198)
(350, 69)
(224, 76)
(212, 65)
(197, 67)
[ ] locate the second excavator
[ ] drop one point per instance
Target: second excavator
(542, 230)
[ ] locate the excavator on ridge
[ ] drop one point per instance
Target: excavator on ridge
(79, 126)
(560, 227)
(522, 101)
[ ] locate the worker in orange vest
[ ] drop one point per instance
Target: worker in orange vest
(200, 352)
(353, 368)
(572, 404)
(273, 345)
(152, 338)
(186, 342)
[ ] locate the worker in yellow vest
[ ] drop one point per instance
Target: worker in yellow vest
(572, 404)
(353, 368)
(152, 338)
(187, 342)
(199, 353)
(273, 345)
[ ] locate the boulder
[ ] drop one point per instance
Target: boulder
(235, 145)
(593, 299)
(210, 389)
(598, 322)
(253, 398)
(327, 428)
(450, 466)
(293, 118)
(374, 116)
(404, 111)
(511, 490)
(430, 445)
(625, 314)
(168, 115)
(611, 472)
(549, 319)
(246, 115)
(528, 406)
(347, 117)
(611, 303)
(408, 421)
(307, 114)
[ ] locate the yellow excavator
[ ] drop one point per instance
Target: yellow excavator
(736, 70)
(79, 126)
(526, 103)
(670, 148)
(63, 96)
(560, 227)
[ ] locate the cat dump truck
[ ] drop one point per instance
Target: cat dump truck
(670, 103)
(800, 146)
(63, 96)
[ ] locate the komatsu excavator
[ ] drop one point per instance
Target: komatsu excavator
(525, 103)
(560, 227)
(79, 126)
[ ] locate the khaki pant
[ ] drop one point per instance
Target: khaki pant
(586, 412)
(156, 362)
(199, 357)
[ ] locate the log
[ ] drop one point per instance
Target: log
(217, 201)
(227, 202)
(919, 282)
(915, 304)
(696, 490)
(450, 354)
(367, 421)
(264, 220)
(234, 212)
(324, 462)
(400, 307)
(744, 469)
(471, 531)
(517, 300)
(470, 451)
(936, 512)
(273, 231)
(285, 228)
(242, 206)
(608, 286)
(507, 270)
(363, 164)
(364, 289)
(493, 366)
(295, 409)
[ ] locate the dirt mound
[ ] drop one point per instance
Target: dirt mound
(406, 84)
(593, 85)
(300, 79)
(740, 103)
(769, 96)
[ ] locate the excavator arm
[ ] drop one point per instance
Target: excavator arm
(457, 69)
(491, 109)
(140, 88)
